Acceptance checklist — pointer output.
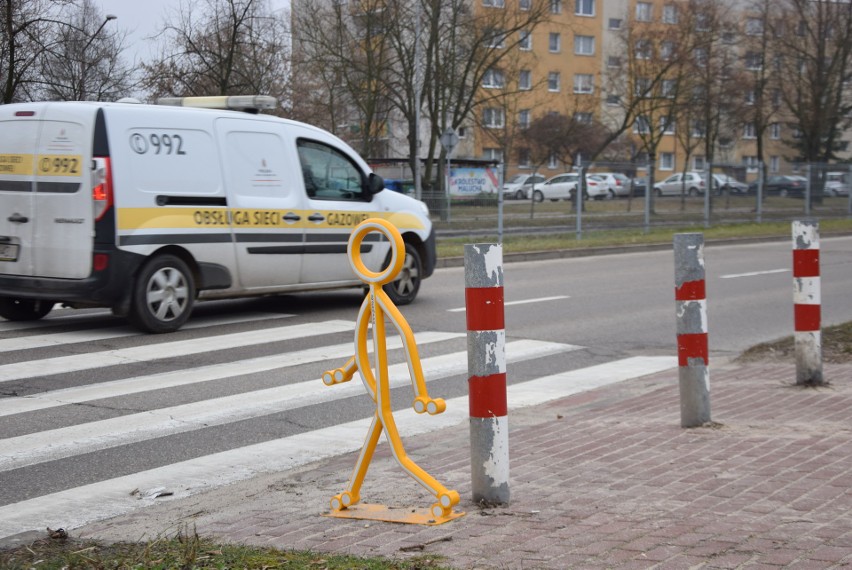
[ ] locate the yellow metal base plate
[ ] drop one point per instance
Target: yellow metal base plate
(405, 515)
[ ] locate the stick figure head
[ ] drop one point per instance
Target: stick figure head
(397, 252)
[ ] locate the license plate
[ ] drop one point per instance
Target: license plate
(8, 251)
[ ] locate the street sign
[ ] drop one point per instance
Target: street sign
(449, 139)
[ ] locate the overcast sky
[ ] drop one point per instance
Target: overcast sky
(144, 18)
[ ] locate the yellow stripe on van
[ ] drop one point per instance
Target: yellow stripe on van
(189, 218)
(20, 164)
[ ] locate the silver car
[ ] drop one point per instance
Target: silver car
(690, 183)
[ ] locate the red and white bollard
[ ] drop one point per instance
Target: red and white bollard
(806, 301)
(692, 346)
(486, 363)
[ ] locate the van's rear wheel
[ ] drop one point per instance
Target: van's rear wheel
(163, 295)
(24, 309)
(403, 290)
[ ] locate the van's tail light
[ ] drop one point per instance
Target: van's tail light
(101, 187)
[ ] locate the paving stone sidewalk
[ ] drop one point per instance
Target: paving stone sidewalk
(602, 479)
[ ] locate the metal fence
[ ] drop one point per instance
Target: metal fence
(737, 194)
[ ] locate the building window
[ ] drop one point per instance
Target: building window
(553, 81)
(554, 43)
(667, 161)
(751, 97)
(525, 5)
(699, 55)
(494, 3)
(774, 164)
(495, 38)
(641, 87)
(555, 6)
(670, 14)
(584, 45)
(749, 131)
(698, 162)
(667, 48)
(524, 118)
(642, 125)
(750, 163)
(702, 23)
(585, 118)
(775, 131)
(461, 132)
(552, 162)
(493, 118)
(753, 61)
(613, 61)
(493, 79)
(584, 7)
(495, 154)
(614, 23)
(667, 125)
(525, 80)
(698, 129)
(613, 99)
(642, 49)
(643, 11)
(754, 26)
(524, 158)
(525, 42)
(584, 83)
(669, 88)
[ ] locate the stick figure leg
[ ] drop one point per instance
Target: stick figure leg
(352, 495)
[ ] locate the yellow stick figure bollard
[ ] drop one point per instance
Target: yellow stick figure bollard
(376, 306)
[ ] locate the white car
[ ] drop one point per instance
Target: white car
(519, 186)
(616, 183)
(837, 183)
(690, 183)
(563, 186)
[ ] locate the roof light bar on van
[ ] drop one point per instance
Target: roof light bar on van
(233, 102)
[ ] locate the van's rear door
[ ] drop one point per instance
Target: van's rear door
(17, 184)
(64, 229)
(46, 214)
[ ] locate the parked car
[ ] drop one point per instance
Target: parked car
(563, 186)
(722, 183)
(519, 186)
(692, 183)
(784, 185)
(639, 186)
(616, 183)
(838, 183)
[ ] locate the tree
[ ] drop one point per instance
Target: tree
(812, 47)
(83, 60)
(221, 47)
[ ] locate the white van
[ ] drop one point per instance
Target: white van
(144, 208)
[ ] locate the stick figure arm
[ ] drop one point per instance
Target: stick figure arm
(340, 375)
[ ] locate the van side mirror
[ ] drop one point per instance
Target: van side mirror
(375, 183)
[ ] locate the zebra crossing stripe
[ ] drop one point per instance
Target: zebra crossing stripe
(50, 445)
(173, 379)
(148, 353)
(60, 338)
(76, 507)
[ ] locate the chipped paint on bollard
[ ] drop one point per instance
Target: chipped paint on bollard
(486, 349)
(692, 345)
(807, 303)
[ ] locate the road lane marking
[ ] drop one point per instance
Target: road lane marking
(50, 445)
(79, 506)
(164, 380)
(521, 302)
(60, 338)
(753, 273)
(151, 352)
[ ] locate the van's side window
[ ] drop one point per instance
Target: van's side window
(329, 174)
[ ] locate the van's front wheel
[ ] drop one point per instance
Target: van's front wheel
(403, 290)
(13, 309)
(163, 295)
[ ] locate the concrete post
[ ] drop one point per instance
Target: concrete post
(807, 303)
(486, 362)
(692, 350)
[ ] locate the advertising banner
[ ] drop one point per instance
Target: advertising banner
(473, 181)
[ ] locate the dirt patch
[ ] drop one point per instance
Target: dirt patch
(836, 347)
